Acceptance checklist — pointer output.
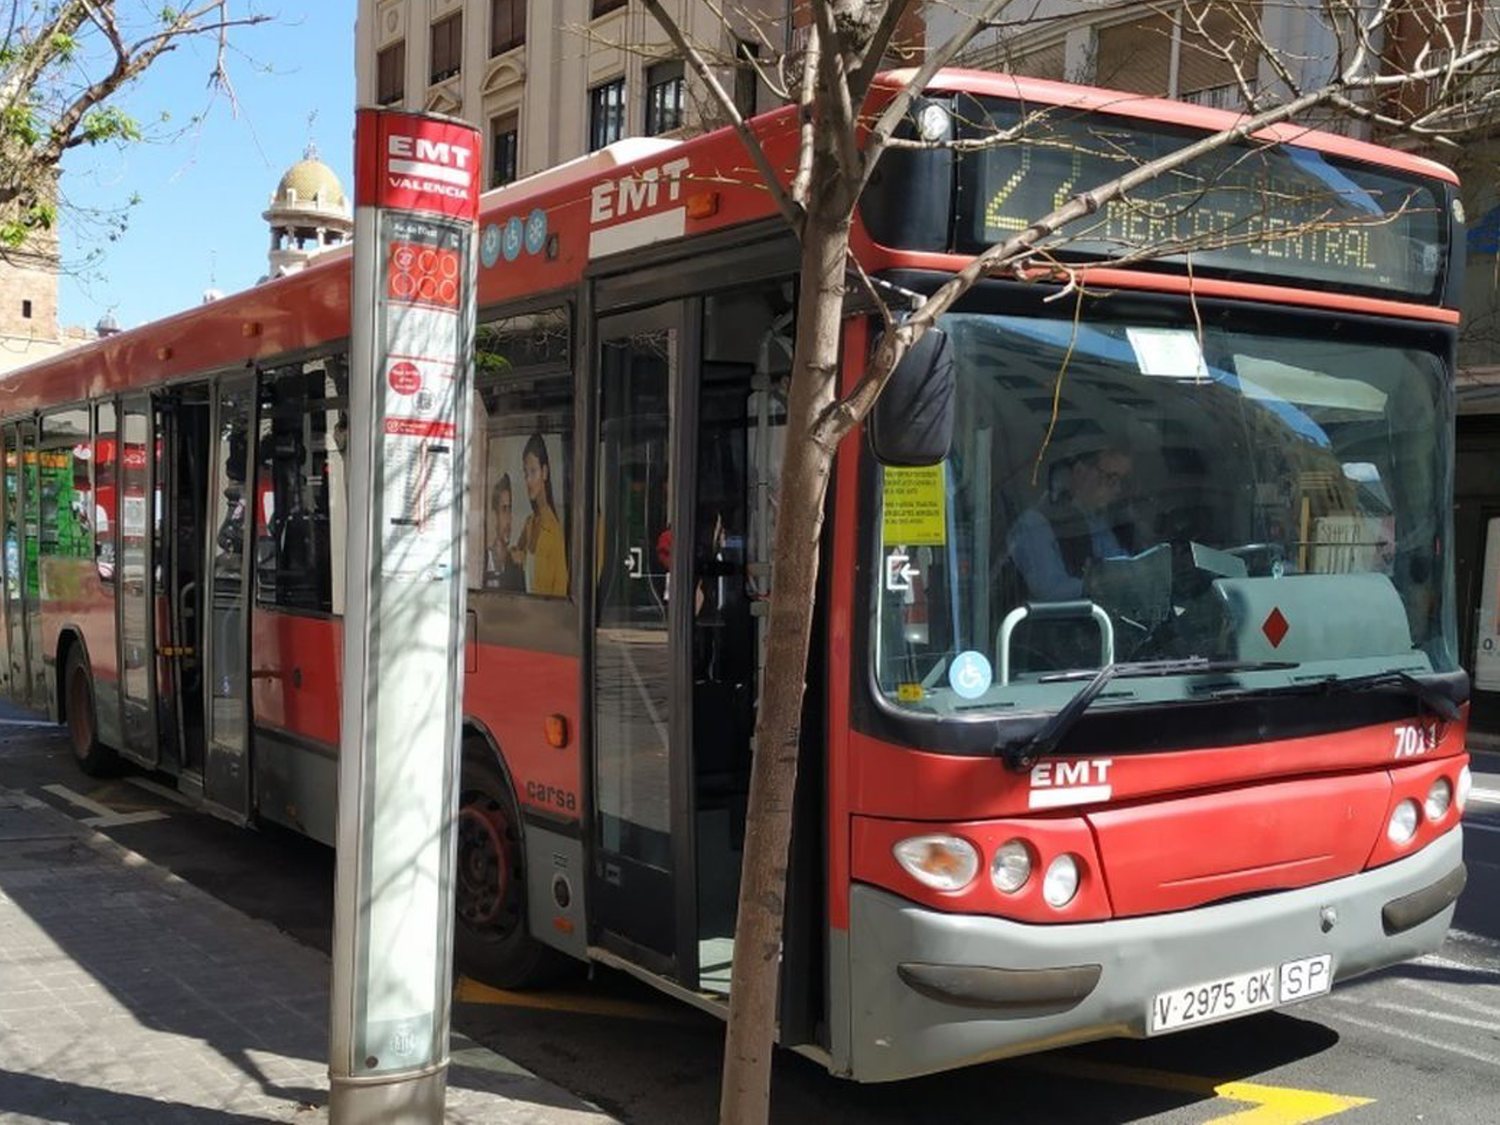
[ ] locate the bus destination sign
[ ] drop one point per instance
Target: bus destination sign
(1276, 213)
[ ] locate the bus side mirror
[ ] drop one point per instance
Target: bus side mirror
(912, 421)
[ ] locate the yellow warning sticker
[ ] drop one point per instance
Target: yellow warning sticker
(909, 693)
(914, 507)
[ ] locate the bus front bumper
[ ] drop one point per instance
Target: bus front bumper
(932, 991)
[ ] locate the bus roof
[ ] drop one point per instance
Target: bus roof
(1164, 111)
(595, 206)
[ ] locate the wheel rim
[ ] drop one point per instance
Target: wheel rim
(487, 880)
(80, 711)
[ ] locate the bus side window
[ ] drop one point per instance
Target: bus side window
(105, 494)
(67, 503)
(299, 510)
(521, 476)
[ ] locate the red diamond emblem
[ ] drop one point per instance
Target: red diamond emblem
(1275, 627)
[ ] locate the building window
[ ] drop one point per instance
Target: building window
(606, 114)
(746, 80)
(1191, 54)
(504, 134)
(390, 74)
(447, 46)
(26, 309)
(604, 7)
(507, 25)
(664, 97)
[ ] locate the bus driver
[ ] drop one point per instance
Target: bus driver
(1054, 542)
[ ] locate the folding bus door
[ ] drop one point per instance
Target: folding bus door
(135, 580)
(18, 669)
(30, 681)
(226, 649)
(641, 875)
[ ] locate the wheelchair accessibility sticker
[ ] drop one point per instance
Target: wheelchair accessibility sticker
(970, 675)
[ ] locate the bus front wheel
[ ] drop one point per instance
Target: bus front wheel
(492, 942)
(93, 757)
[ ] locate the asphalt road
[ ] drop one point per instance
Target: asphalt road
(1417, 1043)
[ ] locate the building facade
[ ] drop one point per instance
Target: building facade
(29, 328)
(549, 80)
(1195, 52)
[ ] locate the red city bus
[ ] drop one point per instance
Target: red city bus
(1139, 710)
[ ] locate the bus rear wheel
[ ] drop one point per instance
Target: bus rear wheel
(93, 757)
(492, 942)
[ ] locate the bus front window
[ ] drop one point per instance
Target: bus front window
(1236, 493)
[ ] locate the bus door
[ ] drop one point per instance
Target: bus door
(137, 519)
(223, 608)
(690, 433)
(20, 557)
(178, 487)
(640, 786)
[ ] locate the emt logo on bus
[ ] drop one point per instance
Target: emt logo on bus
(1056, 784)
(615, 199)
(644, 200)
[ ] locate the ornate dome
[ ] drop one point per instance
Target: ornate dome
(307, 180)
(308, 214)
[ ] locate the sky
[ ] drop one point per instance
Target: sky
(198, 223)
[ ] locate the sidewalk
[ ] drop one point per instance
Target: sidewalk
(128, 995)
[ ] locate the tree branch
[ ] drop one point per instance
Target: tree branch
(806, 121)
(848, 412)
(891, 116)
(791, 210)
(874, 53)
(841, 117)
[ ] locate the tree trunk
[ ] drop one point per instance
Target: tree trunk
(805, 472)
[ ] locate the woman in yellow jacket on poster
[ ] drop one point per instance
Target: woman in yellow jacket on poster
(542, 548)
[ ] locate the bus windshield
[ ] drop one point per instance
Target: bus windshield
(1267, 501)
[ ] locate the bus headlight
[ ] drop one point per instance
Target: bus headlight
(946, 863)
(1465, 783)
(1060, 883)
(1011, 866)
(1403, 824)
(1439, 797)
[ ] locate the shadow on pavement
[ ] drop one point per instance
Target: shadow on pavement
(125, 985)
(51, 1100)
(1112, 1082)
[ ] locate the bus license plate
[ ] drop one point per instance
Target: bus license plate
(1247, 992)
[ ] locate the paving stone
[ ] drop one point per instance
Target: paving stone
(123, 998)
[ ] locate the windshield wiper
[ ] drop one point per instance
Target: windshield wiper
(1021, 755)
(1427, 694)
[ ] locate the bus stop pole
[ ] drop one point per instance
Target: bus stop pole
(411, 349)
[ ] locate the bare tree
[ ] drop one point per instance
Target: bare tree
(1418, 67)
(62, 63)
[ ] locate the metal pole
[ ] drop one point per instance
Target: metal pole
(411, 352)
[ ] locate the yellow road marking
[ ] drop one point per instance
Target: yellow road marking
(1269, 1105)
(1280, 1105)
(472, 992)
